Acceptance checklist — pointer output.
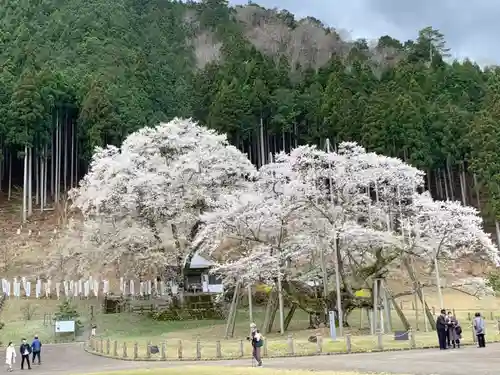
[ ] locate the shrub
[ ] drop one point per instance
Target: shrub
(66, 311)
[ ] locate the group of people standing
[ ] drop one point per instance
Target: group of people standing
(25, 350)
(450, 332)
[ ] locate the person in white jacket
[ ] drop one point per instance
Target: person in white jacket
(10, 355)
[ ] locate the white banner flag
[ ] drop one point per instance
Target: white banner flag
(27, 289)
(48, 286)
(96, 288)
(105, 286)
(58, 290)
(132, 288)
(38, 288)
(4, 286)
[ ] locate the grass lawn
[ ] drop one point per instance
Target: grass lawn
(134, 328)
(199, 370)
(29, 317)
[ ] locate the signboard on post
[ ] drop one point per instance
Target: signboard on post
(65, 326)
(333, 326)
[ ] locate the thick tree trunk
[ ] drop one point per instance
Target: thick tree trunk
(180, 262)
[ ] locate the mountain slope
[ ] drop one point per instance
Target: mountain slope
(269, 81)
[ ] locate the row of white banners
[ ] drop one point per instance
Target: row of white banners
(82, 288)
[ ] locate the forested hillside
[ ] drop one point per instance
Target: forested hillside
(77, 74)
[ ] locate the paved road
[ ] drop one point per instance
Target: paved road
(71, 359)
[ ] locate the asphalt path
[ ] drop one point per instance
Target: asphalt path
(72, 359)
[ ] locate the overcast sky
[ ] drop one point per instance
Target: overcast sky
(471, 28)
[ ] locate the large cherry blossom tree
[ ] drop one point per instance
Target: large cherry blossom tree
(362, 209)
(141, 202)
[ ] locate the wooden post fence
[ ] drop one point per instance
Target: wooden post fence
(198, 350)
(236, 348)
(319, 343)
(179, 350)
(290, 345)
(164, 350)
(348, 343)
(218, 351)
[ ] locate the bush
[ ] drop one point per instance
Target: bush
(28, 311)
(66, 311)
(166, 315)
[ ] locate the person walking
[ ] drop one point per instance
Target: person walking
(36, 348)
(257, 343)
(454, 331)
(479, 327)
(10, 356)
(25, 350)
(441, 329)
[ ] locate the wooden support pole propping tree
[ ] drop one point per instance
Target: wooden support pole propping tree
(231, 317)
(289, 316)
(271, 309)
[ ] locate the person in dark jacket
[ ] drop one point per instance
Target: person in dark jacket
(25, 350)
(441, 328)
(36, 347)
(257, 342)
(479, 329)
